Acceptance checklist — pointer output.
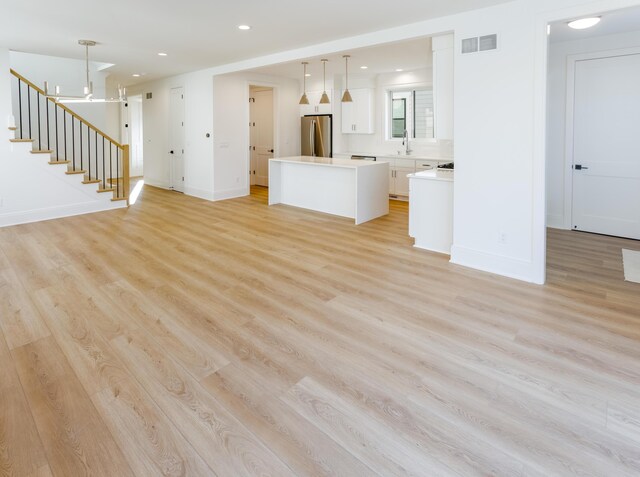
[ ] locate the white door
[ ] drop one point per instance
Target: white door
(134, 105)
(253, 163)
(263, 134)
(606, 158)
(176, 139)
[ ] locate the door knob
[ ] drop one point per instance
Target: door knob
(270, 150)
(580, 167)
(170, 152)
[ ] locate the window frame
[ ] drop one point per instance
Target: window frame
(388, 101)
(394, 119)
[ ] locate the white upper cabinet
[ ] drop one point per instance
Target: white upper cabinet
(443, 85)
(357, 116)
(314, 106)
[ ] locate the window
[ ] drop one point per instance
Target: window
(398, 117)
(411, 110)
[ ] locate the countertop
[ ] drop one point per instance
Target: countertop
(417, 157)
(327, 161)
(430, 176)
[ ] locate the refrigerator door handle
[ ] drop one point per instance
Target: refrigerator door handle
(312, 137)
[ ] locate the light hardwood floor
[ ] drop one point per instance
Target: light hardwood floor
(183, 337)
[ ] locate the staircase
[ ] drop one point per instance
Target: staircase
(88, 169)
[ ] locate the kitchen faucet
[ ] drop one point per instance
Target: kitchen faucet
(405, 142)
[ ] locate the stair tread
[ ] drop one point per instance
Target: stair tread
(108, 189)
(115, 199)
(76, 172)
(92, 181)
(41, 151)
(53, 163)
(21, 140)
(12, 128)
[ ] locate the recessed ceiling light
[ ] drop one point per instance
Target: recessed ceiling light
(308, 74)
(162, 54)
(399, 70)
(244, 27)
(135, 75)
(364, 67)
(584, 23)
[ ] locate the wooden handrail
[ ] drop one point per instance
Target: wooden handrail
(79, 118)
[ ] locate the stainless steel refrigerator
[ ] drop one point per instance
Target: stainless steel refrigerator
(317, 135)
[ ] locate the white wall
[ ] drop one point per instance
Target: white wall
(5, 101)
(155, 126)
(222, 174)
(493, 117)
(70, 75)
(33, 190)
(231, 119)
(113, 111)
(558, 207)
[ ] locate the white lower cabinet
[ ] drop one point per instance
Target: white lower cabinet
(401, 181)
(431, 211)
(400, 168)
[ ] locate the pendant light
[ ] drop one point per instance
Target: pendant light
(346, 97)
(304, 99)
(87, 94)
(324, 99)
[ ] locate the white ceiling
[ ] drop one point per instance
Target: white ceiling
(613, 22)
(406, 55)
(198, 34)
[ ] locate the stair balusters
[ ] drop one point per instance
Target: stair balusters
(79, 149)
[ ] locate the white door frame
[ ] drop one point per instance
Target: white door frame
(276, 122)
(569, 128)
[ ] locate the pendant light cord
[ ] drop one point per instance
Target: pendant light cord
(324, 76)
(346, 72)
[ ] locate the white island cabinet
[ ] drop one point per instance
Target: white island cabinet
(354, 189)
(431, 211)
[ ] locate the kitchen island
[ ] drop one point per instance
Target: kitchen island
(348, 188)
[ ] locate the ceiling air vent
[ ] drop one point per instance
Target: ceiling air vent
(149, 95)
(483, 43)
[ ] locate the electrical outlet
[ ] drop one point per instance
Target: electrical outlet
(502, 238)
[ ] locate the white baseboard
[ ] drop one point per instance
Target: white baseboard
(159, 184)
(497, 264)
(17, 218)
(199, 193)
(230, 194)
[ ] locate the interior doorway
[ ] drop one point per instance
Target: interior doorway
(135, 128)
(261, 133)
(593, 165)
(604, 95)
(176, 139)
